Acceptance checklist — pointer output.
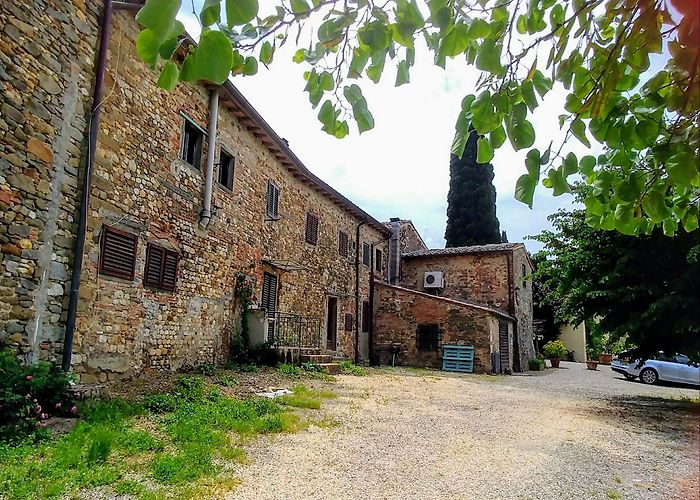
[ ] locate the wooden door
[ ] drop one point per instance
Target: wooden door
(332, 323)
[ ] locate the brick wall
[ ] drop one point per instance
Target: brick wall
(399, 311)
(522, 268)
(47, 51)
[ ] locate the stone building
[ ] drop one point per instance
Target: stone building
(191, 192)
(480, 295)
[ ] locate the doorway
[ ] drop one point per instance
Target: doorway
(332, 323)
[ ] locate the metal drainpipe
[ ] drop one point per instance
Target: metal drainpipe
(357, 290)
(205, 216)
(370, 334)
(87, 182)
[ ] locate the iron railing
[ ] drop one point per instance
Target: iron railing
(293, 330)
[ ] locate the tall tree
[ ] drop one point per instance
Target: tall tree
(644, 287)
(471, 202)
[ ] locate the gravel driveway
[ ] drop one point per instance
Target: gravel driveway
(567, 433)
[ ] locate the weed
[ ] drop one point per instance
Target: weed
(250, 368)
(300, 401)
(289, 370)
(311, 367)
(134, 442)
(189, 388)
(129, 487)
(350, 369)
(112, 410)
(184, 466)
(226, 381)
(617, 479)
(327, 423)
(100, 447)
(160, 403)
(207, 369)
(613, 495)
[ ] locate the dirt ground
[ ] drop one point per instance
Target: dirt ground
(414, 434)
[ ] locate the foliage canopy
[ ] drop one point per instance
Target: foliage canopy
(629, 69)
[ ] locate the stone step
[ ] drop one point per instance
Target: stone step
(316, 358)
(330, 368)
(310, 350)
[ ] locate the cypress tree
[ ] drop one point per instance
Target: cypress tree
(471, 202)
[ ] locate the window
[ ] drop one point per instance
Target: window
(378, 260)
(365, 254)
(226, 163)
(192, 138)
(117, 253)
(269, 293)
(161, 268)
(311, 229)
(427, 337)
(343, 244)
(365, 316)
(273, 200)
(349, 321)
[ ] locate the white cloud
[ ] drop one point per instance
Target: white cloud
(401, 167)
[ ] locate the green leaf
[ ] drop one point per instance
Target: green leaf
(654, 205)
(624, 219)
(300, 6)
(521, 135)
(168, 76)
(158, 16)
(455, 42)
(556, 15)
(542, 83)
(587, 165)
(402, 75)
(683, 170)
(240, 12)
(362, 116)
(210, 13)
(559, 184)
(147, 47)
(532, 162)
(497, 137)
(670, 227)
(168, 47)
(211, 60)
(527, 90)
(461, 132)
(525, 189)
(690, 222)
(478, 28)
(375, 35)
(521, 24)
(374, 71)
(325, 81)
(266, 52)
(330, 30)
(250, 67)
(489, 58)
(569, 165)
(594, 206)
(484, 152)
(578, 128)
(360, 58)
(299, 56)
(326, 116)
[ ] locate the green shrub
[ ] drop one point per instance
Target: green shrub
(100, 446)
(160, 403)
(189, 388)
(207, 369)
(350, 369)
(288, 370)
(308, 366)
(555, 349)
(536, 364)
(226, 381)
(250, 368)
(29, 395)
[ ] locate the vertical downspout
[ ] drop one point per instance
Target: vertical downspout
(357, 290)
(370, 335)
(205, 216)
(87, 182)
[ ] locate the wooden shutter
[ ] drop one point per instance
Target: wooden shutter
(161, 268)
(349, 320)
(343, 244)
(365, 316)
(504, 345)
(269, 293)
(118, 253)
(273, 200)
(311, 229)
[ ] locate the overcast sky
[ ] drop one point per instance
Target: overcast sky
(401, 167)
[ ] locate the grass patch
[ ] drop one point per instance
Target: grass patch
(226, 381)
(129, 487)
(348, 368)
(304, 397)
(288, 370)
(613, 495)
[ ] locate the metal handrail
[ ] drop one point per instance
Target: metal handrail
(294, 330)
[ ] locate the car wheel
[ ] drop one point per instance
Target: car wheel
(629, 377)
(648, 376)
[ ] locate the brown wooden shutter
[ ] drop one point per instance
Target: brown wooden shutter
(349, 320)
(343, 244)
(269, 293)
(170, 271)
(273, 200)
(118, 253)
(161, 268)
(311, 229)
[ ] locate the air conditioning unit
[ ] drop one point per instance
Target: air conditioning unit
(433, 279)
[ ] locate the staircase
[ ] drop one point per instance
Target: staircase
(325, 361)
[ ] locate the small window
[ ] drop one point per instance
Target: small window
(311, 229)
(378, 260)
(365, 316)
(226, 165)
(161, 268)
(365, 254)
(427, 337)
(273, 200)
(118, 253)
(192, 138)
(343, 244)
(349, 321)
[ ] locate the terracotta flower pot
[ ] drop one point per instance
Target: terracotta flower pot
(592, 365)
(555, 362)
(605, 359)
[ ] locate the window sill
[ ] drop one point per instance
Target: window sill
(224, 188)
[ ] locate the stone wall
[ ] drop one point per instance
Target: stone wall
(142, 187)
(47, 53)
(523, 307)
(410, 239)
(398, 312)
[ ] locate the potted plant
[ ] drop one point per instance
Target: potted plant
(554, 350)
(591, 364)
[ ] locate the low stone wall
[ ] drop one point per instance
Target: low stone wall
(399, 311)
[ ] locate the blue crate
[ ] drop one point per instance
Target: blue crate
(458, 358)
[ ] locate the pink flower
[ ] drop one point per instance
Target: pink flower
(74, 410)
(27, 397)
(29, 377)
(58, 406)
